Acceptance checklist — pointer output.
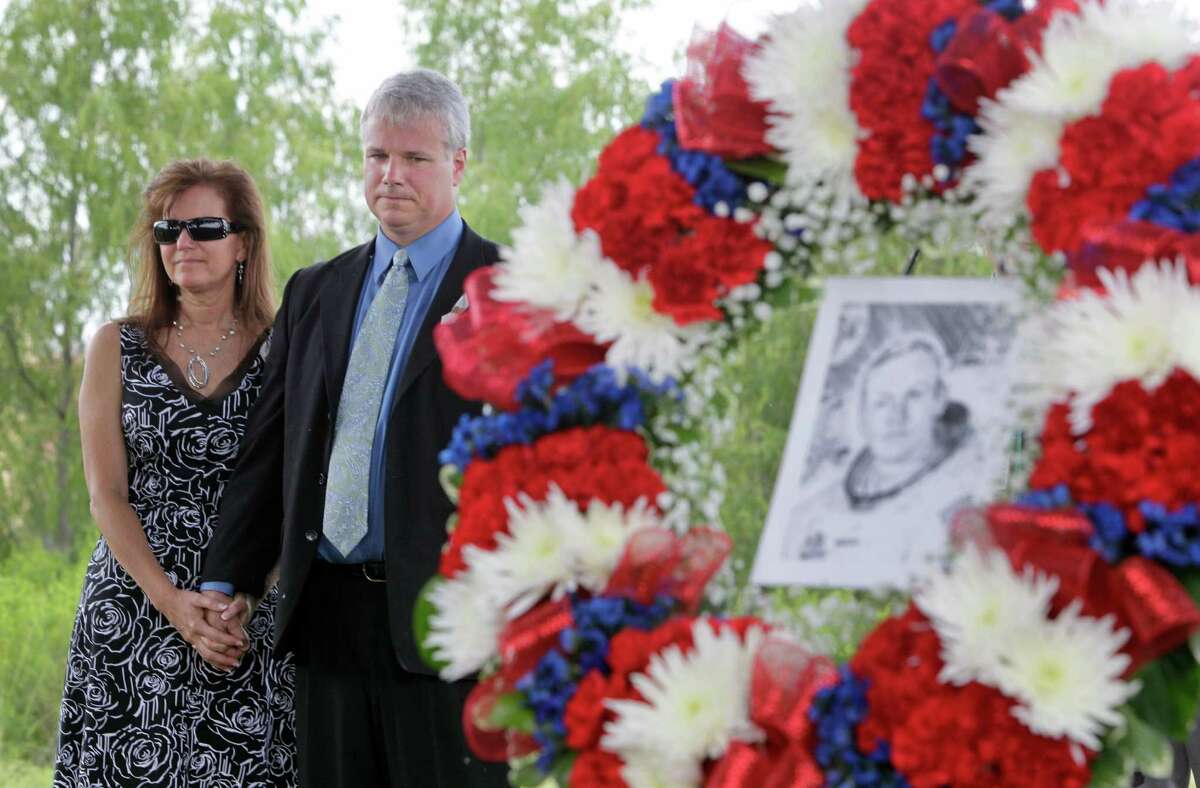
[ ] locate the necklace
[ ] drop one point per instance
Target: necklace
(196, 370)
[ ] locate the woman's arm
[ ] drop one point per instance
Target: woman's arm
(106, 469)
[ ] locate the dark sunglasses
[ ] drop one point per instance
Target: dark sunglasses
(204, 228)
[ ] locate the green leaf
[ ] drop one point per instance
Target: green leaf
(1132, 745)
(762, 168)
(1170, 693)
(422, 612)
(526, 774)
(560, 772)
(510, 712)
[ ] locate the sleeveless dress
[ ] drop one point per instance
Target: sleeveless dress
(140, 706)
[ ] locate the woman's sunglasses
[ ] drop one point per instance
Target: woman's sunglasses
(204, 228)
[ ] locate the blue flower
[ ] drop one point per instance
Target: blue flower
(707, 174)
(595, 397)
(941, 36)
(1009, 9)
(1175, 204)
(837, 710)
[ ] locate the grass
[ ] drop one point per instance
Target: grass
(39, 591)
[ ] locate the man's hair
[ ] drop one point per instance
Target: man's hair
(421, 93)
(910, 343)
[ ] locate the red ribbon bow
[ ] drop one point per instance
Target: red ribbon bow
(659, 561)
(713, 109)
(492, 346)
(1127, 245)
(1142, 594)
(785, 679)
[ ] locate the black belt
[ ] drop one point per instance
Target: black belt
(373, 571)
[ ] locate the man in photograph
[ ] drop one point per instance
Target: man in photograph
(916, 443)
(337, 479)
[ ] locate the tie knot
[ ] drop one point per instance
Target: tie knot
(400, 258)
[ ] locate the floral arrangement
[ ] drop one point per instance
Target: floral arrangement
(1053, 650)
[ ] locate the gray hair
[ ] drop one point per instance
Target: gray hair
(417, 94)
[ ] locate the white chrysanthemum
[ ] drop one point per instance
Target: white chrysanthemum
(1067, 81)
(803, 72)
(533, 557)
(598, 546)
(1185, 334)
(549, 265)
(620, 309)
(1137, 330)
(465, 625)
(1067, 676)
(553, 548)
(695, 704)
(1013, 147)
(977, 607)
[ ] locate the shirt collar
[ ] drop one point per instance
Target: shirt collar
(425, 253)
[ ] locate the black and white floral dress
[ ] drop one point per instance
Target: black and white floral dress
(140, 707)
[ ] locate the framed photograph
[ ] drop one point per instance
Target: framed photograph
(901, 421)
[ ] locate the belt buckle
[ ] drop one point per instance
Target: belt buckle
(366, 572)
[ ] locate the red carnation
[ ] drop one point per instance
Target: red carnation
(887, 89)
(899, 660)
(585, 462)
(1148, 126)
(968, 736)
(649, 225)
(597, 769)
(585, 712)
(1142, 445)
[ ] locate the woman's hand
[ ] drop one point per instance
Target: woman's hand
(186, 610)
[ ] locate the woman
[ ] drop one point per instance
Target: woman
(162, 406)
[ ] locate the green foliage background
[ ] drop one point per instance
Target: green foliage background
(96, 96)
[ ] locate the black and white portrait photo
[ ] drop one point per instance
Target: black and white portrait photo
(900, 423)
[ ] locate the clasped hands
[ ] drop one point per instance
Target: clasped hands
(222, 639)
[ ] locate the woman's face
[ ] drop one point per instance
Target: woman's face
(201, 266)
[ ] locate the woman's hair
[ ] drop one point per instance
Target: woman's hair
(154, 303)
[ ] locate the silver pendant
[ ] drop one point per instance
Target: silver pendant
(197, 381)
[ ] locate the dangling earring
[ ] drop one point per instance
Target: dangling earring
(241, 272)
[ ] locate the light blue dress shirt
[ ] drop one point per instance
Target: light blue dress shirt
(429, 257)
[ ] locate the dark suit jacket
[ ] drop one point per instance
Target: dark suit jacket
(273, 506)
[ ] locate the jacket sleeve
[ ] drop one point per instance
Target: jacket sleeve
(247, 536)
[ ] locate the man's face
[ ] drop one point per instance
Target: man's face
(902, 400)
(409, 178)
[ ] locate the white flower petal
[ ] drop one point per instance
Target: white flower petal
(466, 624)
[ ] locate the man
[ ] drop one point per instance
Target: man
(918, 465)
(337, 475)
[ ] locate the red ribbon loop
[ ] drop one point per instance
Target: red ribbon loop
(1141, 594)
(713, 109)
(786, 677)
(488, 349)
(658, 561)
(527, 639)
(983, 57)
(486, 741)
(1159, 610)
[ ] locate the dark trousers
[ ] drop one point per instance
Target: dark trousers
(361, 719)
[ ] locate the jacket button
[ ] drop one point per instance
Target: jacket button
(310, 536)
(320, 480)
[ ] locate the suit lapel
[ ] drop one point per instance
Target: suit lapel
(339, 302)
(466, 259)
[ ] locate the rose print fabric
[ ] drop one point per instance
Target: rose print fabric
(140, 707)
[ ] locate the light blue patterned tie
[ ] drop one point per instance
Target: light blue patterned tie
(362, 392)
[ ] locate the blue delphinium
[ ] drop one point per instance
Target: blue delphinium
(595, 397)
(713, 181)
(1175, 204)
(1169, 536)
(837, 711)
(1172, 537)
(583, 647)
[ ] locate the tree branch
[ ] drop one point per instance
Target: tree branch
(22, 371)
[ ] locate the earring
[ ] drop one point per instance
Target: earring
(241, 272)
